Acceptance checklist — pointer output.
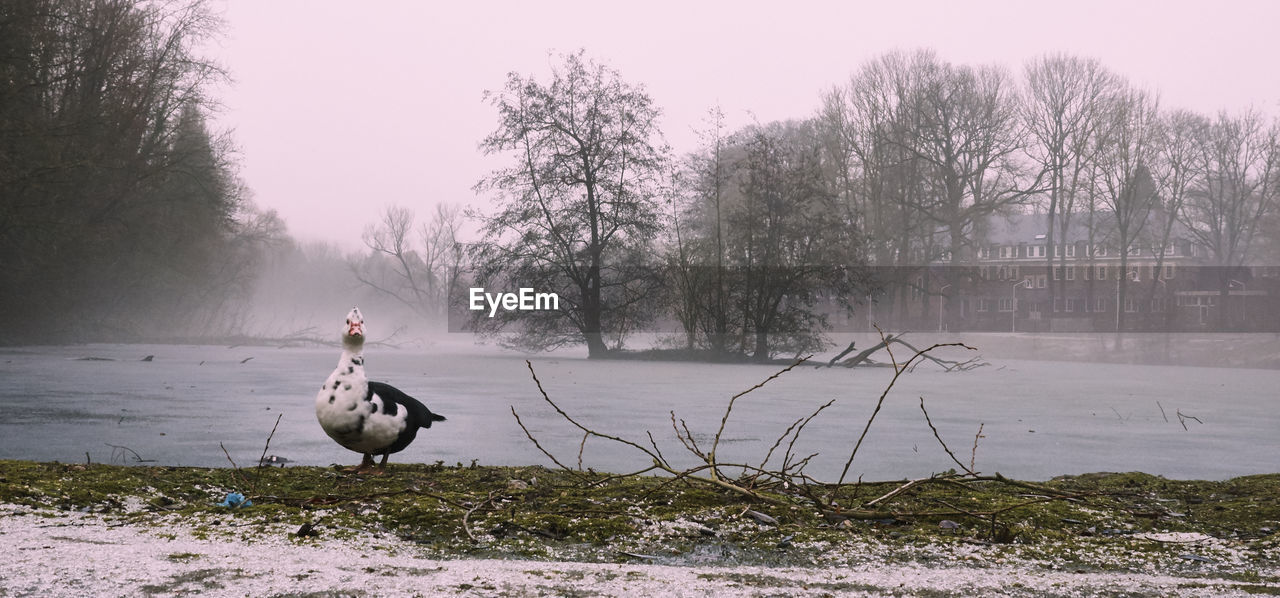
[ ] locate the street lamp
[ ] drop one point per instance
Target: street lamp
(1132, 275)
(1013, 317)
(942, 300)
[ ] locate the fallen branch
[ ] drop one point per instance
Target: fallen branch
(467, 515)
(886, 343)
(119, 452)
(1182, 419)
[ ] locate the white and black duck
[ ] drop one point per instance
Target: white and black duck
(371, 418)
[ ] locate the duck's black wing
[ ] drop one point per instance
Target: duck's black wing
(393, 399)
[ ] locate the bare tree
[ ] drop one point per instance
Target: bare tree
(787, 240)
(696, 259)
(1178, 166)
(1126, 147)
(878, 181)
(1238, 191)
(443, 253)
(579, 200)
(1062, 111)
(417, 270)
(969, 135)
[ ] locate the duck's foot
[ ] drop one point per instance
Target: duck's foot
(366, 466)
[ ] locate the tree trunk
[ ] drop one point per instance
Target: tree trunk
(761, 354)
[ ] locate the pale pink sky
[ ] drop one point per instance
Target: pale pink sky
(340, 109)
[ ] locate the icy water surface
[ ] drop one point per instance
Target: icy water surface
(1040, 418)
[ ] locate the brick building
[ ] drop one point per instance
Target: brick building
(1172, 287)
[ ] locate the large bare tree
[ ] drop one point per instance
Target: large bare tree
(1238, 191)
(1062, 109)
(1126, 147)
(578, 202)
(879, 182)
(1178, 166)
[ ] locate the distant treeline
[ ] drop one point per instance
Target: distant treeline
(750, 240)
(120, 212)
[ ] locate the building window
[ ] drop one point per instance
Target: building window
(1006, 304)
(1099, 305)
(1071, 250)
(984, 304)
(1168, 271)
(1135, 250)
(1013, 272)
(1130, 305)
(1071, 304)
(1041, 281)
(1100, 273)
(1070, 272)
(984, 272)
(1007, 251)
(1100, 250)
(1057, 272)
(1157, 305)
(984, 252)
(1057, 304)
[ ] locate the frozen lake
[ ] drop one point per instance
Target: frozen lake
(1040, 418)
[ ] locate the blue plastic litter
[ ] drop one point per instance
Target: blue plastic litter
(235, 499)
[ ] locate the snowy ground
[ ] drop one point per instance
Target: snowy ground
(1039, 418)
(43, 553)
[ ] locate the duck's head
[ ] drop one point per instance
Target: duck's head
(353, 330)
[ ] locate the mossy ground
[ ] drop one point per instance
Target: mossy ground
(1124, 522)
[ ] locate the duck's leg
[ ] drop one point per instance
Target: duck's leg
(365, 465)
(383, 464)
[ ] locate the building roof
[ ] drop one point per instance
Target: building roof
(1013, 229)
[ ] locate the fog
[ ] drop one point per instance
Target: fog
(785, 174)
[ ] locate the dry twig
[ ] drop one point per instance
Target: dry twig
(973, 456)
(263, 458)
(969, 469)
(897, 373)
(711, 455)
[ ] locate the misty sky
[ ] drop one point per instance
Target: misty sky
(340, 111)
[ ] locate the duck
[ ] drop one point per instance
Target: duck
(370, 418)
